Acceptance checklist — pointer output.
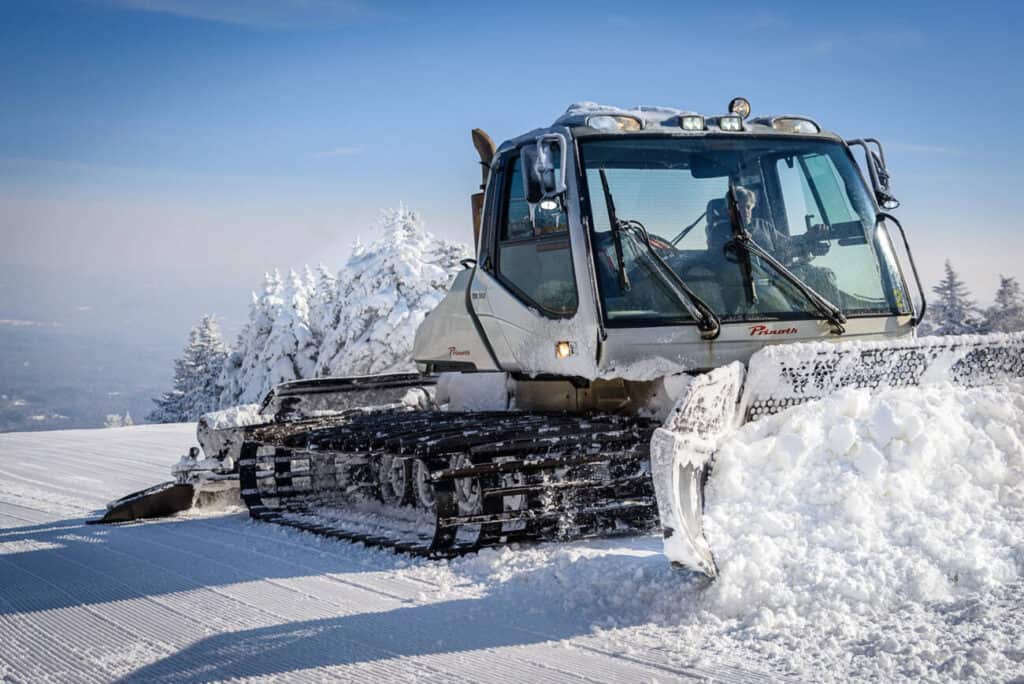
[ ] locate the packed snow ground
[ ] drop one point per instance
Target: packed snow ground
(217, 596)
(874, 540)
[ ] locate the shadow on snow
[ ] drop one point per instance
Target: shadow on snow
(66, 564)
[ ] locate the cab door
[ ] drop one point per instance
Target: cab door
(525, 290)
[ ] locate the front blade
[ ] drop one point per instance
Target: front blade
(780, 377)
(681, 452)
(159, 501)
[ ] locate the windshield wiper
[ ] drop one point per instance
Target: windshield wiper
(707, 322)
(616, 234)
(742, 238)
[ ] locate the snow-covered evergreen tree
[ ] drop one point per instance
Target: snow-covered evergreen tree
(197, 373)
(360, 321)
(244, 376)
(953, 312)
(116, 420)
(289, 352)
(384, 292)
(323, 304)
(1007, 313)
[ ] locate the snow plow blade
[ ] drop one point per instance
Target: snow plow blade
(158, 501)
(780, 377)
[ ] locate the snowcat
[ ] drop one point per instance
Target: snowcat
(640, 278)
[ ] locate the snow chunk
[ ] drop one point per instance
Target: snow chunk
(857, 503)
(236, 416)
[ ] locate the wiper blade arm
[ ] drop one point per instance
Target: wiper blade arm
(707, 321)
(742, 238)
(616, 229)
(831, 312)
(738, 232)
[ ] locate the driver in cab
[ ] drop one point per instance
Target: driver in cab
(761, 231)
(797, 252)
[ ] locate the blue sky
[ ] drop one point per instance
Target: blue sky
(157, 155)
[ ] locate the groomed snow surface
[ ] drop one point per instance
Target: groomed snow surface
(874, 538)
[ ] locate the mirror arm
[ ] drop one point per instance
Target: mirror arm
(872, 173)
(916, 318)
(878, 172)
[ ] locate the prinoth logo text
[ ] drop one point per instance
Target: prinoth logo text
(756, 330)
(453, 352)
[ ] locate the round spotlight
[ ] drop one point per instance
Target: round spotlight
(740, 106)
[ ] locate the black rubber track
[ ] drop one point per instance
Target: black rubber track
(532, 475)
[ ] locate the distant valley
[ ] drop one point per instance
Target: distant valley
(52, 379)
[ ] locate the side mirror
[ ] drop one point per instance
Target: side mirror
(543, 163)
(880, 177)
(877, 171)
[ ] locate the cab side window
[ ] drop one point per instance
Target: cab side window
(534, 257)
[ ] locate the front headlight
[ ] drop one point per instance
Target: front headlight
(614, 123)
(795, 124)
(691, 122)
(730, 123)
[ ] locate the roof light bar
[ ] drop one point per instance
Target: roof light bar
(614, 123)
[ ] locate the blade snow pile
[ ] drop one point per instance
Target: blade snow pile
(781, 377)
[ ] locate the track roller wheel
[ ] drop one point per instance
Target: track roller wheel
(395, 479)
(467, 489)
(424, 488)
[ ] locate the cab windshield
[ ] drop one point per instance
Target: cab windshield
(803, 202)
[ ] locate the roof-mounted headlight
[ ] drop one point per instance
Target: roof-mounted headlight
(615, 123)
(730, 122)
(691, 122)
(740, 106)
(795, 124)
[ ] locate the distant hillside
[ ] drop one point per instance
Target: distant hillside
(52, 379)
